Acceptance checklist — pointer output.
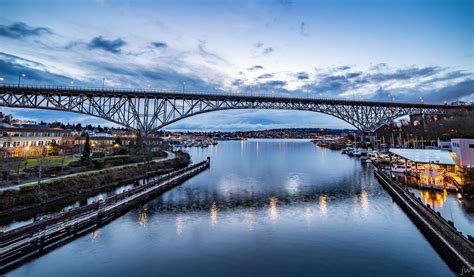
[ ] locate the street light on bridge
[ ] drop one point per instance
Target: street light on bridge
(184, 86)
(19, 78)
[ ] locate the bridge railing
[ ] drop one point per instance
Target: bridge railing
(198, 93)
(152, 90)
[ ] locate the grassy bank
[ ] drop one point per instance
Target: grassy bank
(36, 196)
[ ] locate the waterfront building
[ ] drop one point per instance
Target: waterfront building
(434, 168)
(31, 140)
(444, 145)
(99, 142)
(107, 142)
(463, 150)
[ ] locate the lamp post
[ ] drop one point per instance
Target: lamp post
(391, 96)
(19, 78)
(103, 83)
(184, 86)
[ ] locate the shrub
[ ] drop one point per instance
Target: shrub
(98, 163)
(75, 164)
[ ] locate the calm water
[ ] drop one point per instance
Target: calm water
(266, 207)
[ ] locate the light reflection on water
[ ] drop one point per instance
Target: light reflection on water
(179, 223)
(323, 206)
(143, 217)
(273, 209)
(263, 208)
(213, 212)
(250, 219)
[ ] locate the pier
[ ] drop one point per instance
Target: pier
(456, 249)
(21, 244)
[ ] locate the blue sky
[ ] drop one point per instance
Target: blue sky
(366, 49)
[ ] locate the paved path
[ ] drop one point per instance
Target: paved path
(17, 186)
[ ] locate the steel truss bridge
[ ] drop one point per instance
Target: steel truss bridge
(149, 110)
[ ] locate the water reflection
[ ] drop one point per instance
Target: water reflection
(257, 148)
(179, 223)
(250, 219)
(323, 206)
(293, 185)
(273, 211)
(143, 217)
(95, 234)
(434, 198)
(364, 201)
(308, 215)
(213, 211)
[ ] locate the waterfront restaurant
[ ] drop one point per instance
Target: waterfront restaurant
(435, 169)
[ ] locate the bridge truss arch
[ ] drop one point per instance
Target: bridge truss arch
(148, 111)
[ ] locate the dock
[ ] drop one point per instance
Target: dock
(24, 243)
(455, 248)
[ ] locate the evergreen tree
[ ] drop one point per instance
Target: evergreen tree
(86, 153)
(118, 141)
(79, 127)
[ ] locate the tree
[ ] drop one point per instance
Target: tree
(118, 141)
(53, 148)
(78, 127)
(86, 153)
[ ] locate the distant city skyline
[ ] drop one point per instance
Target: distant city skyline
(375, 50)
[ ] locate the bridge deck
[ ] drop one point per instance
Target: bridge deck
(147, 93)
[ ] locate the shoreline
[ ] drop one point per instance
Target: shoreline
(84, 186)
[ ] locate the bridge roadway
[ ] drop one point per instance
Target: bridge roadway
(26, 241)
(150, 110)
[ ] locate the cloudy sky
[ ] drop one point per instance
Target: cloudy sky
(366, 49)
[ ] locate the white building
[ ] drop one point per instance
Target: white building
(464, 152)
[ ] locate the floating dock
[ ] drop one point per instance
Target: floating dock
(452, 245)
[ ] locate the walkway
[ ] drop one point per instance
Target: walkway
(18, 186)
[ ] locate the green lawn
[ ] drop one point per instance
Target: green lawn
(53, 161)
